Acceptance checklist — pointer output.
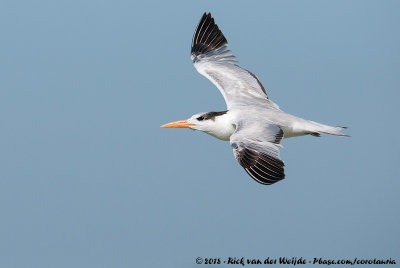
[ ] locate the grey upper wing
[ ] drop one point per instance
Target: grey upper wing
(259, 154)
(213, 59)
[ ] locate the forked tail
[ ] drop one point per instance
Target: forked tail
(317, 128)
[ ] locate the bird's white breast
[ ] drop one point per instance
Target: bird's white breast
(222, 133)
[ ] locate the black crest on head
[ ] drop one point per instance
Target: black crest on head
(211, 115)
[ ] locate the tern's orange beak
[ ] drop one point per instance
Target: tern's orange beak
(180, 123)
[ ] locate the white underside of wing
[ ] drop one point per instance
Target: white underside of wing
(238, 86)
(258, 137)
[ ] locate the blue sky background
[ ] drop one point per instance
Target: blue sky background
(88, 179)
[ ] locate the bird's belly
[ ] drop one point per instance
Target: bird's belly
(222, 134)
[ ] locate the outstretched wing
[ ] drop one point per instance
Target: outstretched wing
(212, 58)
(257, 151)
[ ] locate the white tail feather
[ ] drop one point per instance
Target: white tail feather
(325, 129)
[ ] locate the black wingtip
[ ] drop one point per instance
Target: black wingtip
(207, 37)
(263, 168)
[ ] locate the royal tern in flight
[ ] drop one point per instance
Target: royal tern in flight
(254, 125)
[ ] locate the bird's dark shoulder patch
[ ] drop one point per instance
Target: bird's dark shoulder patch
(278, 136)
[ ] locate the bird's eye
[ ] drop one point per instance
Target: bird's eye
(201, 118)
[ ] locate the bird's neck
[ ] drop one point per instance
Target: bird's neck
(223, 127)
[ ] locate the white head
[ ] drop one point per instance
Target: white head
(216, 124)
